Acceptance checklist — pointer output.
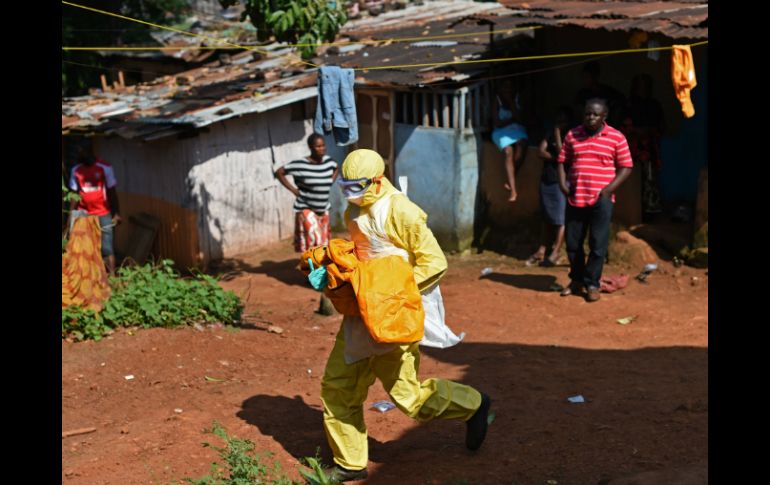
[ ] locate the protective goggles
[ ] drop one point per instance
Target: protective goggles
(356, 187)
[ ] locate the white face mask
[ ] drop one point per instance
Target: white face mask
(356, 200)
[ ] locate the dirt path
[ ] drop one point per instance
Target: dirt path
(645, 383)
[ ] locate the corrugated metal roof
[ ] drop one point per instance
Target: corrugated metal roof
(419, 15)
(191, 99)
(248, 83)
(682, 19)
(251, 83)
(441, 18)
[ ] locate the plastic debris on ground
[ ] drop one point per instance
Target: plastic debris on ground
(626, 320)
(576, 399)
(383, 406)
(646, 271)
(613, 283)
(486, 271)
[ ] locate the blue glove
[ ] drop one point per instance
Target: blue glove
(317, 277)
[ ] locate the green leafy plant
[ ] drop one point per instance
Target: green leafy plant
(244, 466)
(294, 21)
(82, 324)
(154, 295)
(316, 475)
(67, 197)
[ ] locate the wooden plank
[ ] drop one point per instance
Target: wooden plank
(404, 108)
(436, 109)
(445, 102)
(485, 106)
(456, 110)
(75, 432)
(392, 132)
(143, 236)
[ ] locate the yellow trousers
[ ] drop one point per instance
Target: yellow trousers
(344, 389)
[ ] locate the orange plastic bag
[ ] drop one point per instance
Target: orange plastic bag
(344, 299)
(340, 260)
(389, 300)
(381, 291)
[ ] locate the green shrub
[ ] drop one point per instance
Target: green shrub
(154, 296)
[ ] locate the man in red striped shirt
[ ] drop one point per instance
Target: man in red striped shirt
(597, 160)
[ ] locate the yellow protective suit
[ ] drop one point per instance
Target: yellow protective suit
(386, 223)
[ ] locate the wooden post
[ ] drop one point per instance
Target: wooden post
(456, 114)
(436, 109)
(404, 109)
(445, 105)
(121, 79)
(105, 88)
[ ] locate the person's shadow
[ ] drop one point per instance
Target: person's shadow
(534, 282)
(298, 427)
(284, 271)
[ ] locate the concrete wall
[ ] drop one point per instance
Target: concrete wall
(442, 168)
(468, 150)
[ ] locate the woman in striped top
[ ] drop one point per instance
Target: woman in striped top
(314, 177)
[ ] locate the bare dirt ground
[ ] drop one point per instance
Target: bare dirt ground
(645, 384)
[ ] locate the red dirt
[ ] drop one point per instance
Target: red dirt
(645, 383)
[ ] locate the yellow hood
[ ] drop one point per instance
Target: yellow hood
(364, 163)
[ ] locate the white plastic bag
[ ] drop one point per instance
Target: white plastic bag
(437, 334)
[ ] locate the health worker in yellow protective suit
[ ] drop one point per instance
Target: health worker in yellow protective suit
(384, 222)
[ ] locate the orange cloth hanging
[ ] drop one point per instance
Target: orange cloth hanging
(683, 75)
